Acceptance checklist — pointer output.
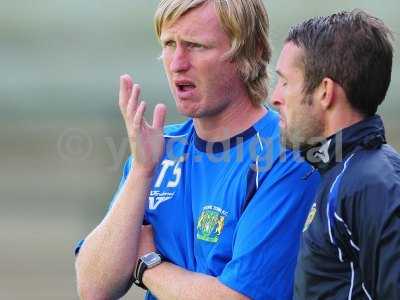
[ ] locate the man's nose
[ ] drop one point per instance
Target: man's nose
(276, 98)
(180, 60)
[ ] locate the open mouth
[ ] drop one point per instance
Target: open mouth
(184, 86)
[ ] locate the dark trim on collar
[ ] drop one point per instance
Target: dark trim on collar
(221, 146)
(368, 134)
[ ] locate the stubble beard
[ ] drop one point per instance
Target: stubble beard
(217, 108)
(306, 131)
(206, 112)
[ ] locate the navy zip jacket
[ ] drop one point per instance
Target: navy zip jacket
(350, 246)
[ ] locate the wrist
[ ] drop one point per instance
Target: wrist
(145, 263)
(147, 274)
(143, 172)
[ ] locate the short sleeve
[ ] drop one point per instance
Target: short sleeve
(267, 236)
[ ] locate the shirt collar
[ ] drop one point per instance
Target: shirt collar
(368, 133)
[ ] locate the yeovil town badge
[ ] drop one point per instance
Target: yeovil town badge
(211, 223)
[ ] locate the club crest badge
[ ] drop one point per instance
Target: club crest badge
(211, 223)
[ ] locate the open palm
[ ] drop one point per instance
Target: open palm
(146, 141)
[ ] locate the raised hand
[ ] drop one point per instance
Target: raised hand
(146, 141)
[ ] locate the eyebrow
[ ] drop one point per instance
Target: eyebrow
(189, 37)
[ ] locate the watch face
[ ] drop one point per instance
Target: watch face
(151, 259)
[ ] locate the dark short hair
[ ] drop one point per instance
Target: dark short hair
(352, 48)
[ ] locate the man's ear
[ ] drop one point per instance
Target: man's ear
(325, 93)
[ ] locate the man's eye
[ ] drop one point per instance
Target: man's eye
(169, 44)
(195, 45)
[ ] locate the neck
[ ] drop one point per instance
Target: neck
(232, 121)
(340, 119)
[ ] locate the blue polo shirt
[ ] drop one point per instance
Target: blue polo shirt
(232, 209)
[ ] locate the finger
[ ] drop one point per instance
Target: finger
(139, 116)
(133, 101)
(125, 88)
(159, 115)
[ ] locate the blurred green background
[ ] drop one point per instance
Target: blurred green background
(62, 138)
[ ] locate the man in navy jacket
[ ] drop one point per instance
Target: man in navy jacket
(333, 73)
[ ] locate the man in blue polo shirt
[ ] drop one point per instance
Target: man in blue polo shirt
(225, 202)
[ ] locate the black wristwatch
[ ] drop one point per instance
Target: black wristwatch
(147, 261)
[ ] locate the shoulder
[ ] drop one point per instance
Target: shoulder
(178, 130)
(370, 188)
(266, 142)
(377, 169)
(268, 126)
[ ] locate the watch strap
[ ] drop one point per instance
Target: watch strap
(139, 270)
(138, 274)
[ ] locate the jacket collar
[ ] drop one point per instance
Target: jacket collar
(368, 133)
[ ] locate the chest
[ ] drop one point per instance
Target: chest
(195, 204)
